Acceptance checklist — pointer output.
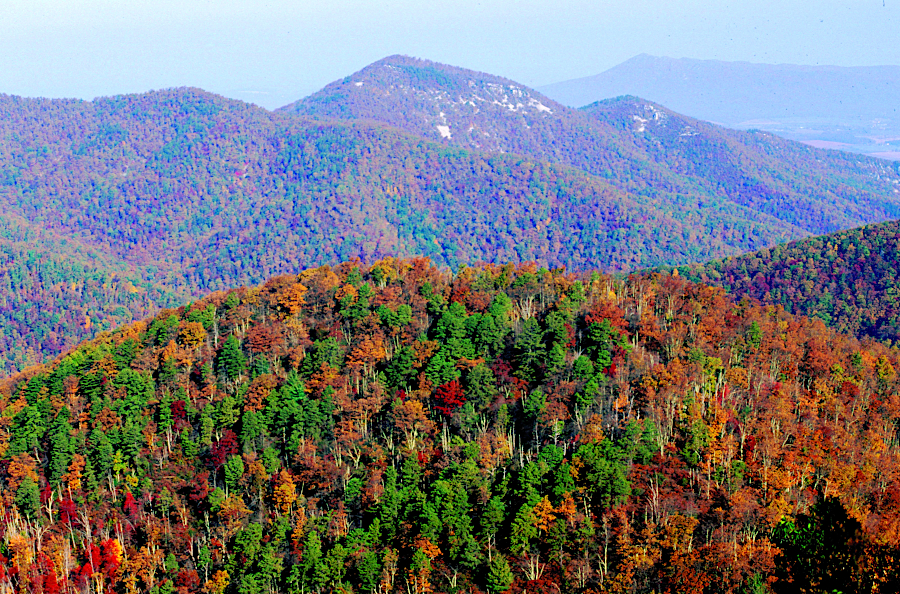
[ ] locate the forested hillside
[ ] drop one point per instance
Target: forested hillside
(758, 170)
(192, 193)
(392, 428)
(847, 279)
(55, 293)
(179, 192)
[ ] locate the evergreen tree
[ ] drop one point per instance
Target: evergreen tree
(231, 361)
(529, 351)
(234, 470)
(28, 498)
(60, 446)
(500, 576)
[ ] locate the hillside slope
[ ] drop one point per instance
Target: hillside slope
(701, 166)
(393, 428)
(189, 192)
(813, 189)
(848, 279)
(56, 292)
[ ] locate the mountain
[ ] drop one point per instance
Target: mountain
(847, 279)
(755, 170)
(396, 428)
(636, 145)
(181, 192)
(189, 191)
(462, 107)
(854, 107)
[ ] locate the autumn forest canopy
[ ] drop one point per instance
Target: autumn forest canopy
(392, 427)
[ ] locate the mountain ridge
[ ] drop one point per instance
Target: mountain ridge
(217, 193)
(847, 279)
(852, 108)
(393, 427)
(866, 90)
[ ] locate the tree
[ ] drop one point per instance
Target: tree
(399, 371)
(285, 492)
(28, 498)
(481, 388)
(102, 450)
(523, 530)
(820, 550)
(231, 361)
(311, 576)
(604, 472)
(441, 368)
(369, 571)
(489, 336)
(234, 470)
(500, 576)
(60, 446)
(192, 334)
(28, 430)
(448, 398)
(530, 351)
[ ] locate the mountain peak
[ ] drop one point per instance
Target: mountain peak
(439, 102)
(419, 71)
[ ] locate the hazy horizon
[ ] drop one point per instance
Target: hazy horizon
(276, 52)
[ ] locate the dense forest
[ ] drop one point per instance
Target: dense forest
(56, 292)
(393, 428)
(187, 192)
(848, 279)
(179, 192)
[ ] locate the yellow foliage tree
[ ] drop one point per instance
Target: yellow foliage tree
(285, 492)
(543, 514)
(218, 583)
(192, 334)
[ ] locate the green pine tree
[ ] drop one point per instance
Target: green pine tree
(231, 361)
(500, 576)
(28, 498)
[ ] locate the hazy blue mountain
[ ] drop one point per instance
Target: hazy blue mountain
(855, 107)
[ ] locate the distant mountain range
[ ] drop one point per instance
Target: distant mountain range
(167, 195)
(852, 108)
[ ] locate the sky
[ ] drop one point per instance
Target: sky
(273, 52)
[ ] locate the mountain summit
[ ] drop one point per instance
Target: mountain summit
(441, 103)
(676, 163)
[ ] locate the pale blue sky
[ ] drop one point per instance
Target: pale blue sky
(273, 52)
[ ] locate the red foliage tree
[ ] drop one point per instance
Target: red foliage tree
(449, 398)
